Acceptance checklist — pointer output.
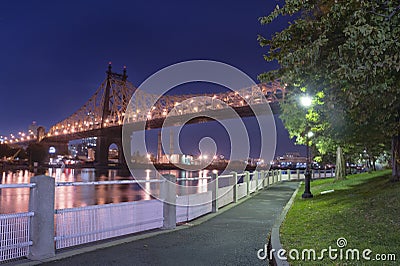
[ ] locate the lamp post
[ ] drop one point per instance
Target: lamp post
(306, 101)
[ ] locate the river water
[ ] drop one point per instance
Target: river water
(14, 200)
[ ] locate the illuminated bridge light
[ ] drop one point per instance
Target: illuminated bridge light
(89, 117)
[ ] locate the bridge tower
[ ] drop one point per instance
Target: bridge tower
(113, 136)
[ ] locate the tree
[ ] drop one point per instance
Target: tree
(37, 153)
(349, 52)
(5, 151)
(340, 172)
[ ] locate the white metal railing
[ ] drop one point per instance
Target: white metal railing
(17, 185)
(14, 235)
(92, 223)
(189, 207)
(241, 190)
(225, 196)
(192, 178)
(225, 176)
(76, 226)
(112, 182)
(299, 174)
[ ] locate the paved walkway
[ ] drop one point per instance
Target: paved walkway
(230, 238)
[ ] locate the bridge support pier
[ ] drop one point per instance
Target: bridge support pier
(60, 148)
(102, 148)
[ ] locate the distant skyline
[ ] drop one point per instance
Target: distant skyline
(55, 53)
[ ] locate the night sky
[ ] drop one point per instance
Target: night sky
(54, 54)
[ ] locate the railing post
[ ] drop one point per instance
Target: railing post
(214, 184)
(235, 186)
(312, 174)
(288, 171)
(41, 233)
(169, 201)
(331, 172)
(325, 173)
(272, 177)
(247, 179)
(262, 178)
(267, 177)
(319, 173)
(255, 177)
(280, 174)
(298, 174)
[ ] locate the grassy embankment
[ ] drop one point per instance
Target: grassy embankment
(364, 209)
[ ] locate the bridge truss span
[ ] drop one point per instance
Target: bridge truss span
(109, 106)
(147, 107)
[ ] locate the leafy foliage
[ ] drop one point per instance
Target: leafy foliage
(347, 55)
(37, 152)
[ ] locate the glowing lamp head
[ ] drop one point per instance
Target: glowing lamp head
(306, 101)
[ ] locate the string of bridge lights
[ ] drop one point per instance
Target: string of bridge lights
(20, 137)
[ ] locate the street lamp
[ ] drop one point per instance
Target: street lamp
(306, 102)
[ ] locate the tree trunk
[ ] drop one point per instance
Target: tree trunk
(374, 163)
(395, 158)
(340, 171)
(369, 164)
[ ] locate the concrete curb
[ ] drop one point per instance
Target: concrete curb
(143, 235)
(274, 242)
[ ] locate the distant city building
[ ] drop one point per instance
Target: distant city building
(91, 154)
(32, 128)
(177, 159)
(84, 149)
(290, 160)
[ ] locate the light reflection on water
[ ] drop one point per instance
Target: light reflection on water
(16, 199)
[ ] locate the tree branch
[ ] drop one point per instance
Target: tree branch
(387, 17)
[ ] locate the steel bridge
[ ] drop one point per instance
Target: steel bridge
(103, 115)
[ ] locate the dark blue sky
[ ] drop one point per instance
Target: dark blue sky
(54, 53)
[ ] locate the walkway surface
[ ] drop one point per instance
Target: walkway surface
(230, 238)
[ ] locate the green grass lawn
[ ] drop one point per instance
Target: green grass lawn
(364, 209)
